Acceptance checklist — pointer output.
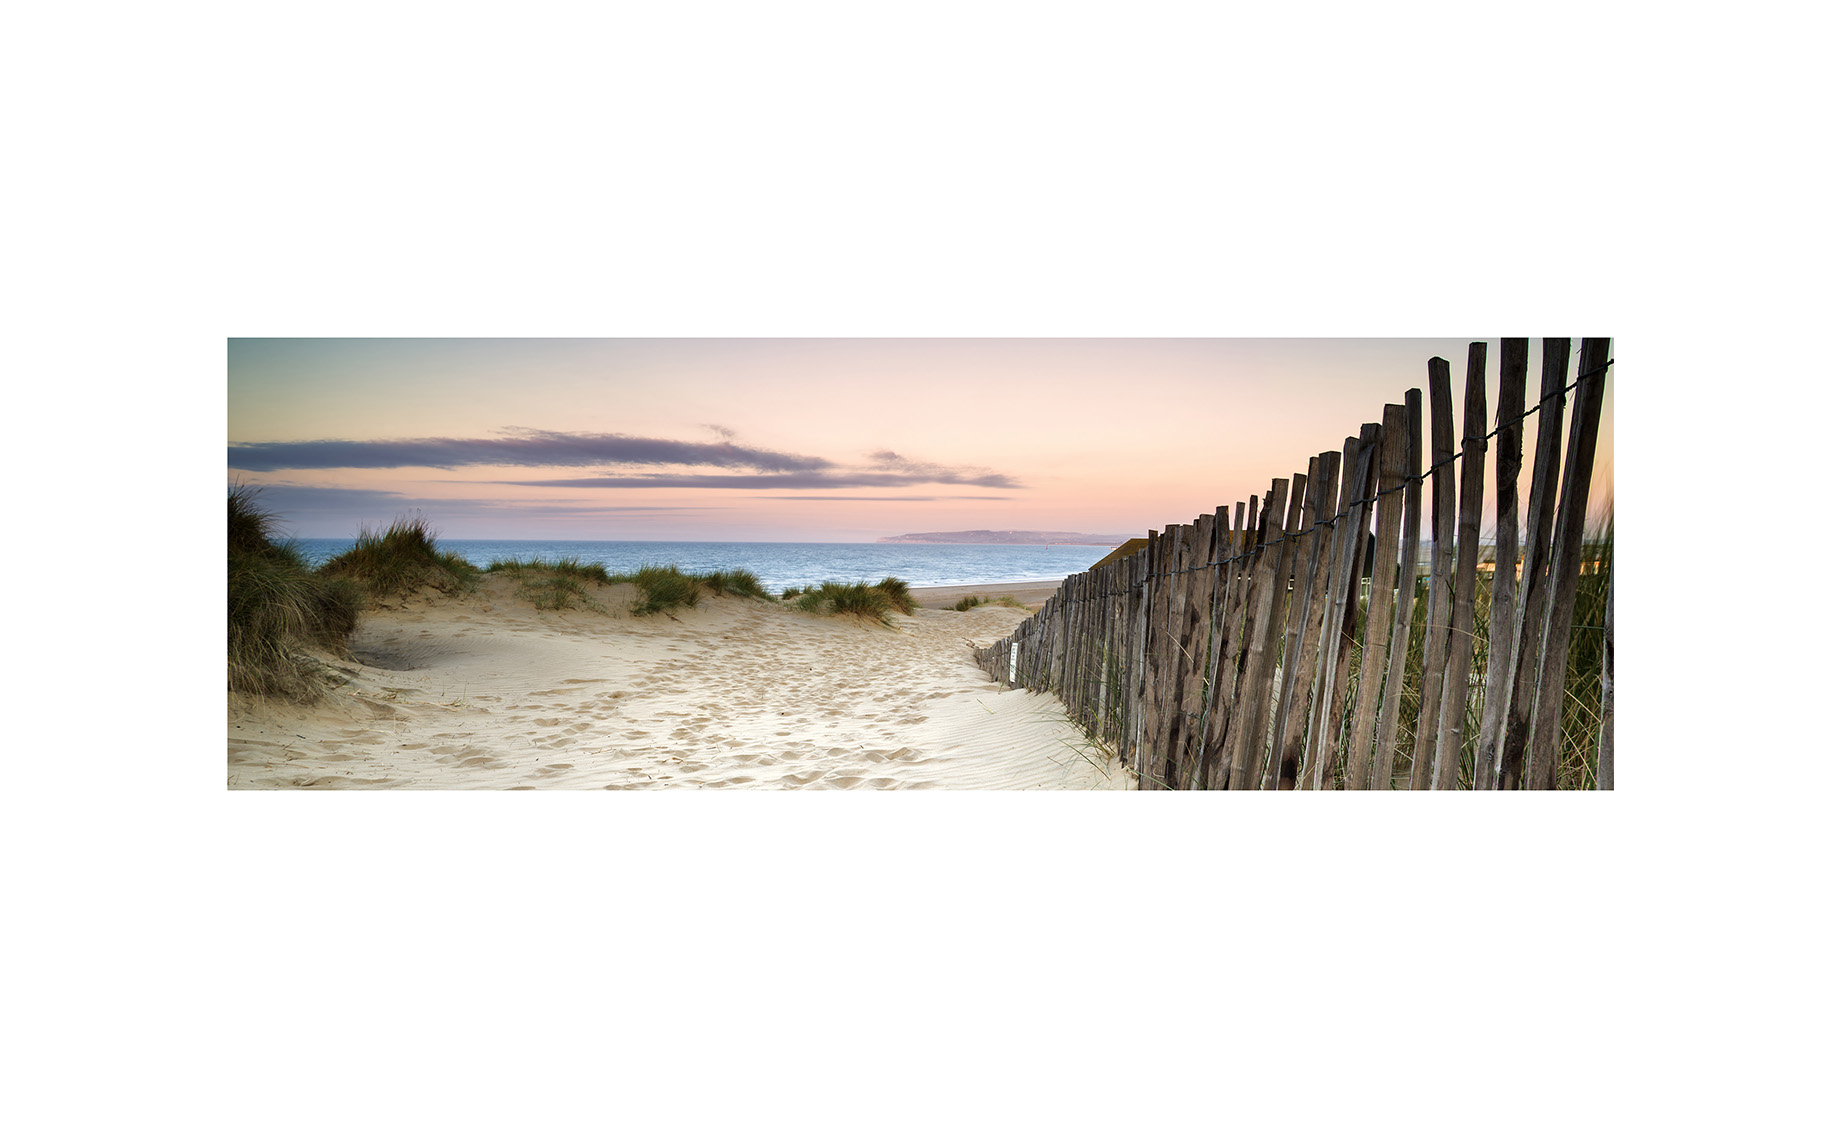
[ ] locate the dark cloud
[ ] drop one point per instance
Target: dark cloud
(889, 461)
(520, 447)
(813, 481)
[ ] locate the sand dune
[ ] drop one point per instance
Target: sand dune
(487, 692)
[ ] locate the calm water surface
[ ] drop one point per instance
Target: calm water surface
(780, 566)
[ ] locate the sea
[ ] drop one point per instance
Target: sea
(780, 566)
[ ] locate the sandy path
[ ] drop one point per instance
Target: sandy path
(487, 692)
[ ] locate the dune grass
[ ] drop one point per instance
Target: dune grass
(559, 584)
(569, 567)
(278, 607)
(1580, 717)
(899, 597)
(875, 603)
(734, 581)
(970, 601)
(666, 587)
(400, 560)
(555, 585)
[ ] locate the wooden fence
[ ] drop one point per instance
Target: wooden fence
(1294, 643)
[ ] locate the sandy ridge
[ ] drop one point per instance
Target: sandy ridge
(486, 692)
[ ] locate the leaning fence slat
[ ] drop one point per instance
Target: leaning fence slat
(1223, 664)
(1156, 619)
(1265, 745)
(1390, 486)
(1511, 403)
(1205, 742)
(1232, 669)
(1168, 686)
(1386, 743)
(1140, 678)
(1137, 626)
(1568, 558)
(1252, 698)
(1452, 710)
(1438, 612)
(1288, 729)
(1323, 661)
(1318, 765)
(1191, 642)
(1529, 608)
(1606, 758)
(1178, 654)
(1360, 487)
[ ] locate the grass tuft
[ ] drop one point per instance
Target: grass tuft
(557, 593)
(662, 588)
(277, 606)
(569, 566)
(735, 581)
(400, 560)
(970, 601)
(554, 585)
(899, 597)
(875, 603)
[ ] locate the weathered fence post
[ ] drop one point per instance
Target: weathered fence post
(1511, 403)
(1386, 748)
(1252, 699)
(1568, 559)
(1307, 619)
(1391, 487)
(1451, 711)
(1516, 721)
(1344, 578)
(1606, 759)
(1438, 612)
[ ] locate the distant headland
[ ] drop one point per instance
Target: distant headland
(1006, 536)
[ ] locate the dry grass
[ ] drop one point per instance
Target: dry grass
(400, 560)
(278, 608)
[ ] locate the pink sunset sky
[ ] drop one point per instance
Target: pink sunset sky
(806, 440)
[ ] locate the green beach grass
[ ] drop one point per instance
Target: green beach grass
(400, 560)
(875, 603)
(279, 607)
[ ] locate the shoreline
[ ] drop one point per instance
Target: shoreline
(1031, 593)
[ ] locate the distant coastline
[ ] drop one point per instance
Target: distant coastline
(1007, 536)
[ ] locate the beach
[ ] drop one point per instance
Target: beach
(485, 691)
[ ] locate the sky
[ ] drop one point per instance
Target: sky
(836, 440)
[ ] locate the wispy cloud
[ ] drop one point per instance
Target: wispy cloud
(814, 481)
(319, 500)
(770, 469)
(516, 447)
